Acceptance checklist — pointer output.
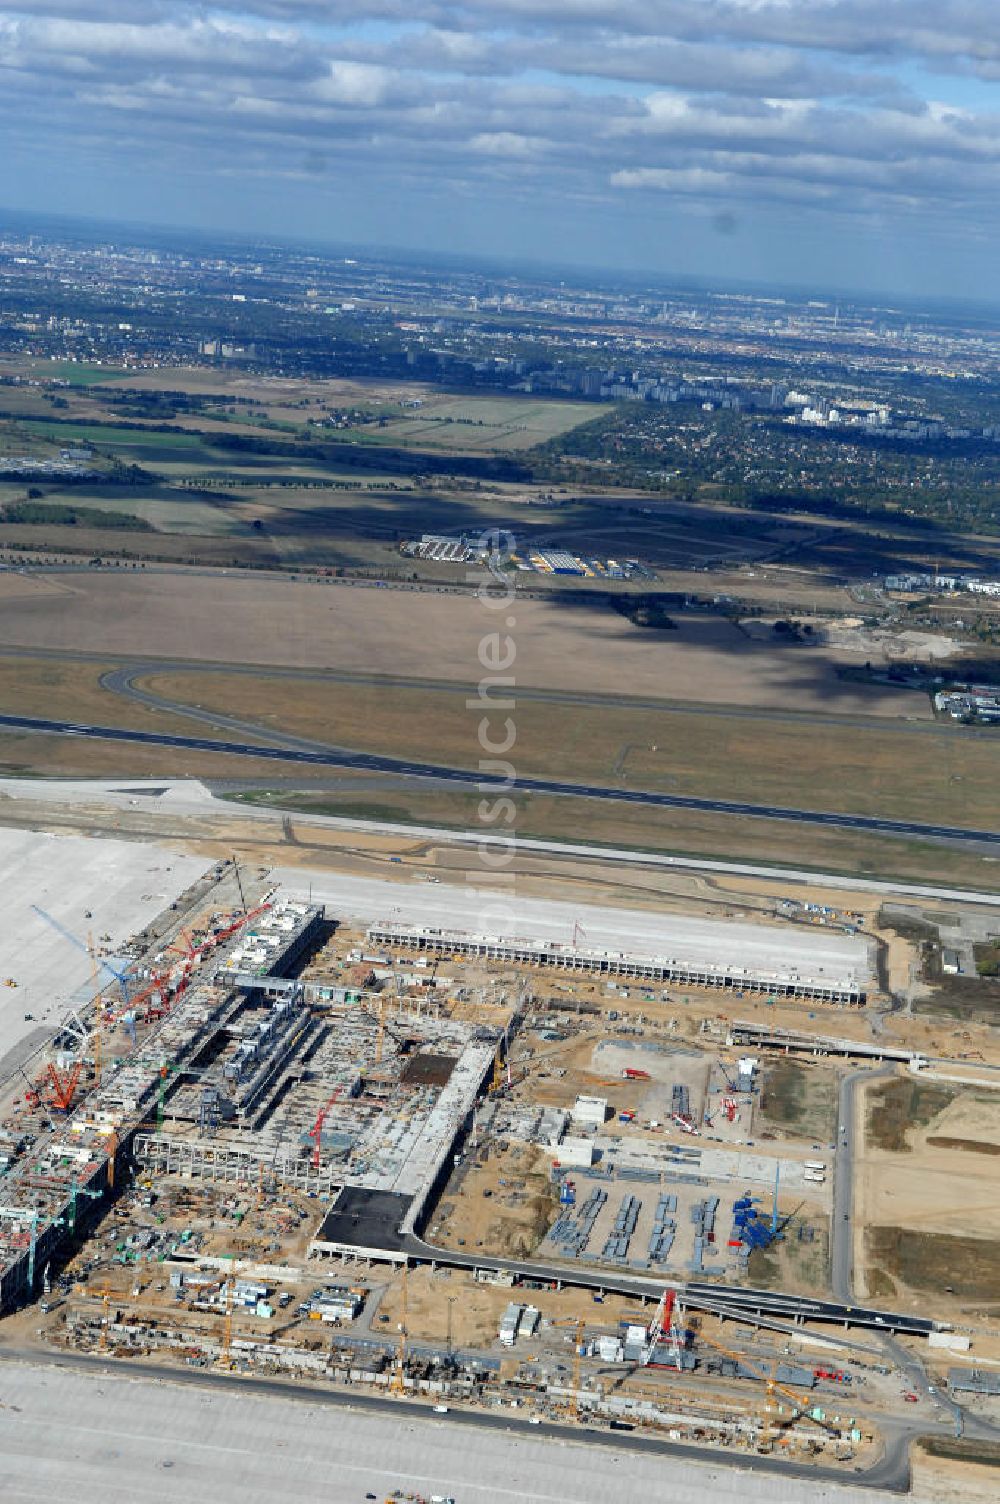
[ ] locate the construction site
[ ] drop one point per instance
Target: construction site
(279, 1142)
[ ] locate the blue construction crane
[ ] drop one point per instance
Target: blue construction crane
(120, 976)
(75, 1191)
(774, 1204)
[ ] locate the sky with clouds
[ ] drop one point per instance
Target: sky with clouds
(826, 142)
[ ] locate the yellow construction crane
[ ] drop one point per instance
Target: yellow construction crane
(112, 1151)
(227, 1326)
(105, 1321)
(397, 1383)
(501, 1077)
(574, 1404)
(580, 1327)
(777, 1422)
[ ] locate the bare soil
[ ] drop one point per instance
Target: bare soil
(800, 1098)
(927, 1206)
(899, 1107)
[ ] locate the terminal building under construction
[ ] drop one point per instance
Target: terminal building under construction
(244, 1072)
(847, 987)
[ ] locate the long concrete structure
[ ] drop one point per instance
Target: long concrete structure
(790, 1041)
(553, 956)
(169, 797)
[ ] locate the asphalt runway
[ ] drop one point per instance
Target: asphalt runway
(440, 774)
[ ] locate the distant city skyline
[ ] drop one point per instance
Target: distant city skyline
(831, 144)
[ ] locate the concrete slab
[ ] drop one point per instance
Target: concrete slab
(834, 958)
(123, 884)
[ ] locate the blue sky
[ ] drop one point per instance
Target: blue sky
(835, 142)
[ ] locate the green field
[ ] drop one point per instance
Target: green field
(109, 436)
(928, 1261)
(80, 373)
(897, 1107)
(478, 424)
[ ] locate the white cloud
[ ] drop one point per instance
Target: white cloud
(503, 144)
(767, 100)
(354, 84)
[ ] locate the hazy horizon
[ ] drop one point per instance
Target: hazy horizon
(582, 274)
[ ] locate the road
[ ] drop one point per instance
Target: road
(907, 1363)
(842, 1238)
(370, 762)
(736, 1298)
(102, 1433)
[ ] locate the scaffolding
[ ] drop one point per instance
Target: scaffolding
(243, 1164)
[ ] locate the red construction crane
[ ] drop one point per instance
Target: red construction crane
(237, 924)
(187, 948)
(316, 1131)
(664, 1328)
(63, 1084)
